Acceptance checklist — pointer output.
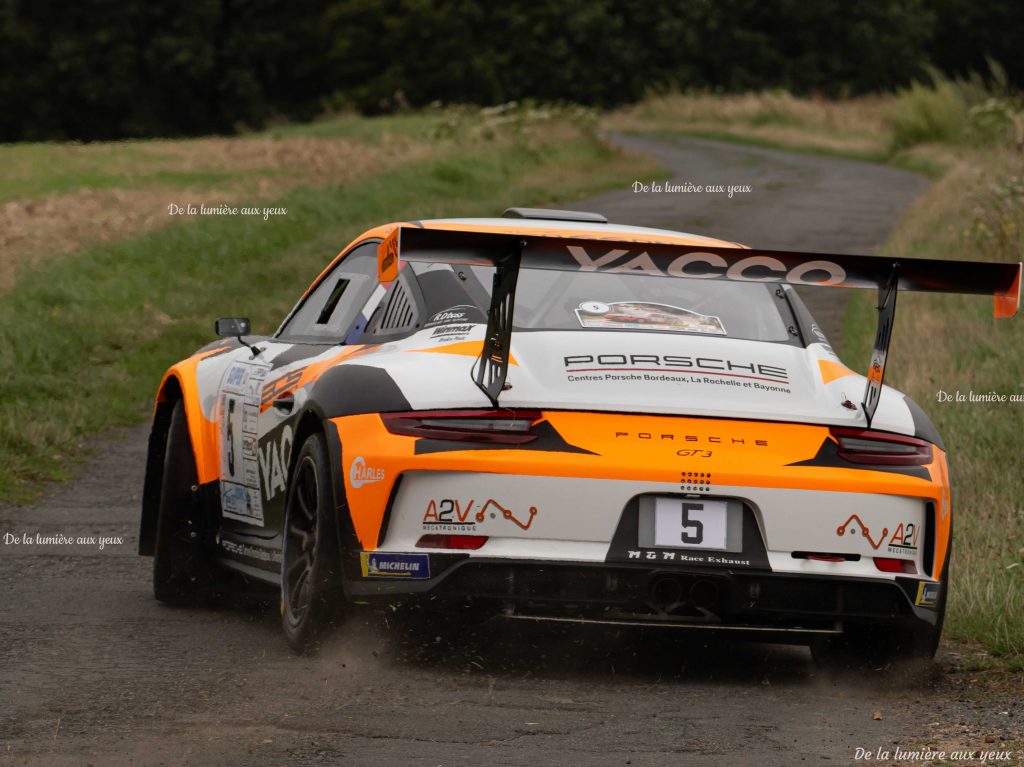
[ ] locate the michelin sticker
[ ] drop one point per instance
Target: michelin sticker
(927, 594)
(377, 565)
(641, 315)
(239, 461)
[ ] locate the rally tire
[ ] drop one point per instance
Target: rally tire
(310, 562)
(181, 564)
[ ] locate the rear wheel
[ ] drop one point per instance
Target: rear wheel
(181, 564)
(879, 645)
(875, 646)
(310, 563)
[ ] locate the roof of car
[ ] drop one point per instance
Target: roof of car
(599, 231)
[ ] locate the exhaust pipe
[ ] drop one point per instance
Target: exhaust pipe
(666, 591)
(704, 594)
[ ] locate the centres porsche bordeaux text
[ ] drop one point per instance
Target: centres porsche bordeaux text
(667, 367)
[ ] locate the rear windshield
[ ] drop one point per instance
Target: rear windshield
(586, 301)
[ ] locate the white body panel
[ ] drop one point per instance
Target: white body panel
(575, 519)
(622, 378)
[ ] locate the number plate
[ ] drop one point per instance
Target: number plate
(690, 524)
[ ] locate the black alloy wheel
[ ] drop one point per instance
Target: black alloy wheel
(310, 562)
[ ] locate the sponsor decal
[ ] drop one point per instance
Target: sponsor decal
(688, 438)
(239, 502)
(847, 528)
(708, 265)
(249, 446)
(453, 514)
(387, 256)
(630, 315)
(453, 332)
(386, 565)
(249, 551)
(677, 368)
(239, 407)
(456, 315)
(927, 594)
(660, 555)
(279, 386)
(274, 455)
(905, 538)
(360, 474)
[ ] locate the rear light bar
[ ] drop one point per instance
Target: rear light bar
(888, 565)
(462, 542)
(494, 427)
(881, 448)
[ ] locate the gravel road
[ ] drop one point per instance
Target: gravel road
(93, 671)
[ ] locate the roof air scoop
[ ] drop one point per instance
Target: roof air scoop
(546, 214)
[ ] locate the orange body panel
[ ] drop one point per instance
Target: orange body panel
(202, 432)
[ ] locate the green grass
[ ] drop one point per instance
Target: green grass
(37, 170)
(374, 130)
(953, 344)
(85, 338)
(913, 163)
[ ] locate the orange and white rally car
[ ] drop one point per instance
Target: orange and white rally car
(558, 418)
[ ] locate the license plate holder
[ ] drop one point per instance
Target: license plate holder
(699, 524)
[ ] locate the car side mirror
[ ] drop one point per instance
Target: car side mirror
(232, 326)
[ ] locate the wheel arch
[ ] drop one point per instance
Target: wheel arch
(312, 421)
(167, 397)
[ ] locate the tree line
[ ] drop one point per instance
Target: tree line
(103, 69)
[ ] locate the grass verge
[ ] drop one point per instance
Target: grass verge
(951, 345)
(84, 338)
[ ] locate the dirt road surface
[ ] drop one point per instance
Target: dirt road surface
(93, 671)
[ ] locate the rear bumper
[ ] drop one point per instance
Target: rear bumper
(697, 598)
(570, 525)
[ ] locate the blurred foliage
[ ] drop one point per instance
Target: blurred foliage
(997, 215)
(106, 69)
(972, 110)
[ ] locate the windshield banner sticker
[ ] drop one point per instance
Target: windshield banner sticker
(639, 315)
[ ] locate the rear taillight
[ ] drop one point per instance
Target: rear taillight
(881, 448)
(495, 427)
(461, 542)
(889, 565)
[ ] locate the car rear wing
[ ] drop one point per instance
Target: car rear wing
(548, 249)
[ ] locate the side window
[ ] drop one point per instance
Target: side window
(330, 311)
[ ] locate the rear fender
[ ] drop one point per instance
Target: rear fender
(179, 383)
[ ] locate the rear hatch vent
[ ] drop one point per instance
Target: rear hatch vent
(399, 313)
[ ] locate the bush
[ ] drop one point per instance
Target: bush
(923, 114)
